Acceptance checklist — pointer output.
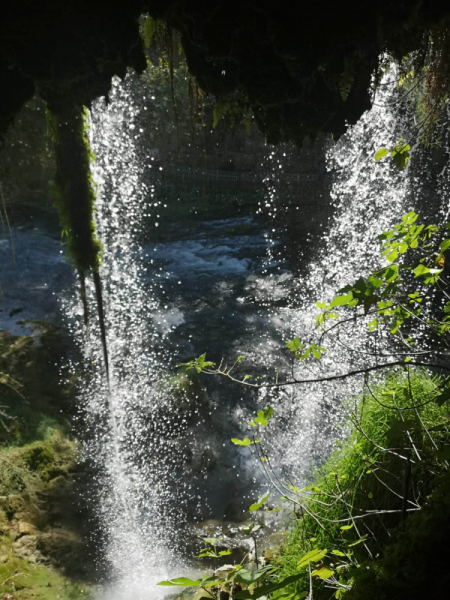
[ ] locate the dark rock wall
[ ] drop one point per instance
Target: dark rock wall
(303, 67)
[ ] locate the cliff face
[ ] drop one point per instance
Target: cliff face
(303, 70)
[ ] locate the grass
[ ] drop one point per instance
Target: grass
(24, 581)
(363, 476)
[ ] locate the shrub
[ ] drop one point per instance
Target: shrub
(383, 473)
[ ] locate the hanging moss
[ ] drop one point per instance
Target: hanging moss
(75, 188)
(75, 202)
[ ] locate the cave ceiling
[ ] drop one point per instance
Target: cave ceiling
(304, 67)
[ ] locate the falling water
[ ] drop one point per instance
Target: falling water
(128, 438)
(142, 501)
(368, 198)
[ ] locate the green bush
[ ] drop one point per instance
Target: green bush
(387, 447)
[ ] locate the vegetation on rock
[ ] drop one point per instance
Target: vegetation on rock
(43, 530)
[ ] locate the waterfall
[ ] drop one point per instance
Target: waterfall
(128, 428)
(368, 198)
(142, 501)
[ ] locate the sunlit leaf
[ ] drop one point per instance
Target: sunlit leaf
(323, 573)
(244, 442)
(260, 502)
(381, 153)
(182, 582)
(312, 556)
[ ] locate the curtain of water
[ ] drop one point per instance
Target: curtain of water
(129, 430)
(130, 433)
(368, 198)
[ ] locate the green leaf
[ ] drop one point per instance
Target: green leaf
(198, 364)
(244, 442)
(252, 528)
(213, 541)
(294, 344)
(323, 573)
(247, 577)
(312, 556)
(316, 353)
(182, 582)
(445, 245)
(346, 527)
(338, 553)
(260, 502)
(219, 111)
(373, 325)
(401, 155)
(264, 416)
(423, 270)
(341, 300)
(271, 587)
(360, 541)
(381, 153)
(392, 256)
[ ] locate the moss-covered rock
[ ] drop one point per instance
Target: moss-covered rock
(44, 530)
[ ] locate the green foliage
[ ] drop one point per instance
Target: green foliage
(260, 502)
(415, 564)
(263, 417)
(362, 476)
(30, 375)
(400, 154)
(301, 352)
(390, 293)
(400, 440)
(219, 111)
(21, 580)
(244, 442)
(147, 29)
(199, 364)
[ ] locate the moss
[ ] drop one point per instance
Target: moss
(20, 580)
(43, 526)
(76, 195)
(36, 491)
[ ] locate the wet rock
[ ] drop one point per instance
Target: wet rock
(63, 550)
(271, 544)
(24, 528)
(26, 548)
(229, 536)
(236, 511)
